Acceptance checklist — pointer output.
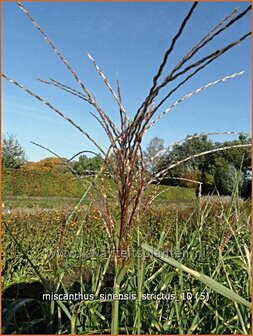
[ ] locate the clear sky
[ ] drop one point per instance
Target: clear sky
(127, 40)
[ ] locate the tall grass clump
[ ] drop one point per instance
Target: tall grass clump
(122, 216)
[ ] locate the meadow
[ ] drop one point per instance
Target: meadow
(54, 247)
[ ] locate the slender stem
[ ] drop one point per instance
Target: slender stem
(73, 325)
(140, 287)
(115, 308)
(120, 272)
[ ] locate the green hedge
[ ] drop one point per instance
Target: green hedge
(169, 193)
(18, 182)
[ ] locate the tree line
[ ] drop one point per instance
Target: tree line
(14, 156)
(216, 171)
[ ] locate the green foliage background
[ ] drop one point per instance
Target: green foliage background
(18, 182)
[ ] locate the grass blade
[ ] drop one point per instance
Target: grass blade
(214, 285)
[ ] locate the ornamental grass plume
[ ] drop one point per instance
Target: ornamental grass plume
(124, 160)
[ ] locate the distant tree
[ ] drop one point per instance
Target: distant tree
(152, 154)
(88, 166)
(191, 147)
(239, 157)
(46, 165)
(216, 170)
(246, 188)
(208, 180)
(226, 177)
(13, 154)
(184, 150)
(232, 162)
(194, 175)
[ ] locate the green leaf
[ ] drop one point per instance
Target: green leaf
(214, 285)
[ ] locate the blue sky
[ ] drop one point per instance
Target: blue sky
(127, 40)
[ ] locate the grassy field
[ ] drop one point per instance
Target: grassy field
(53, 249)
(54, 241)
